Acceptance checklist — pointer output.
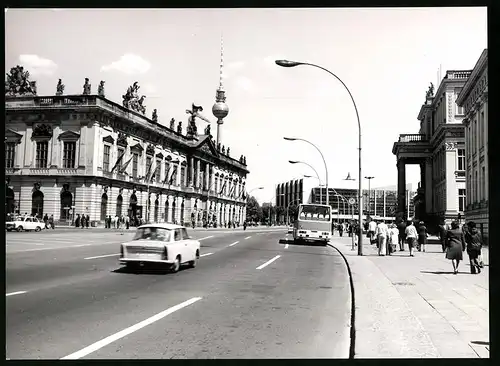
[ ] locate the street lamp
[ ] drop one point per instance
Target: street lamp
(324, 162)
(317, 176)
(369, 196)
(248, 194)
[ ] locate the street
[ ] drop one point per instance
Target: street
(249, 297)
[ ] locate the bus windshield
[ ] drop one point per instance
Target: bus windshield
(314, 213)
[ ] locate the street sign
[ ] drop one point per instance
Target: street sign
(352, 201)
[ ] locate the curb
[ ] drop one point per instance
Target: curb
(352, 346)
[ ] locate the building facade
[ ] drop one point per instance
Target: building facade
(473, 99)
(439, 150)
(85, 154)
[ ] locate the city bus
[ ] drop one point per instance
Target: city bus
(313, 224)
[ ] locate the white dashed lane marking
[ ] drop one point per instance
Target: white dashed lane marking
(206, 237)
(102, 256)
(204, 255)
(268, 262)
(248, 237)
(16, 293)
(236, 242)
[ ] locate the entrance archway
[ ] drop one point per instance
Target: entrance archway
(157, 207)
(104, 206)
(119, 204)
(66, 203)
(9, 200)
(37, 204)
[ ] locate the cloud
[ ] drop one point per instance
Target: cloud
(244, 83)
(129, 64)
(37, 65)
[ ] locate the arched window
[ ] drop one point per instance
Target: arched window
(9, 200)
(173, 210)
(66, 203)
(37, 204)
(104, 206)
(119, 204)
(157, 207)
(166, 210)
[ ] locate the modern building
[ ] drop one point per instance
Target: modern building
(292, 193)
(473, 99)
(439, 149)
(85, 154)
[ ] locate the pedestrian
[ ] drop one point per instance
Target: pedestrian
(341, 229)
(77, 220)
(393, 238)
(455, 245)
(46, 221)
(474, 243)
(402, 235)
(411, 236)
(442, 235)
(87, 220)
(356, 228)
(422, 236)
(83, 221)
(51, 221)
(382, 232)
(372, 227)
(127, 222)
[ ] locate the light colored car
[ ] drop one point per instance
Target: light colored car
(161, 243)
(290, 229)
(27, 223)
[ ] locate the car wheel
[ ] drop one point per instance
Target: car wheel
(177, 264)
(193, 264)
(19, 228)
(38, 228)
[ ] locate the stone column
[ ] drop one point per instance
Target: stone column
(428, 186)
(423, 184)
(402, 186)
(207, 176)
(197, 173)
(451, 184)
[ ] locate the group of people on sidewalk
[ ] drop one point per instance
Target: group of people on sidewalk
(454, 241)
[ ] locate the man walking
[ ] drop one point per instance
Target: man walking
(382, 232)
(411, 236)
(402, 235)
(372, 227)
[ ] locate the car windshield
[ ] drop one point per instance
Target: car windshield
(152, 233)
(315, 213)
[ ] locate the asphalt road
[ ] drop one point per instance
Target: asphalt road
(68, 296)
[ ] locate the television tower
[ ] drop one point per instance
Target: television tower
(220, 108)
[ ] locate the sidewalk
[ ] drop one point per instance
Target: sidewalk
(414, 307)
(220, 229)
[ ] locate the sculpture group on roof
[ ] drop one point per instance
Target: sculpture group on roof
(132, 101)
(18, 82)
(430, 91)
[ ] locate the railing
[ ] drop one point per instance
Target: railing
(415, 137)
(39, 171)
(458, 74)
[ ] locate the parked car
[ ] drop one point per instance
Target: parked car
(161, 244)
(27, 223)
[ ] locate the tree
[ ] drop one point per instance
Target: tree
(254, 211)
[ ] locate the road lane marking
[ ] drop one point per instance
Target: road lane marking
(16, 293)
(248, 237)
(206, 237)
(114, 337)
(286, 246)
(203, 255)
(268, 262)
(236, 242)
(102, 256)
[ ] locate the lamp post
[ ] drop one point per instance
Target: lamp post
(324, 162)
(317, 176)
(287, 63)
(248, 194)
(369, 196)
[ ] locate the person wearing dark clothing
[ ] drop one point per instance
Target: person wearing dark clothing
(474, 243)
(402, 235)
(422, 236)
(455, 244)
(341, 229)
(83, 221)
(442, 235)
(51, 221)
(87, 220)
(77, 220)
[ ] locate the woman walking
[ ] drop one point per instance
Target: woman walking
(393, 238)
(422, 236)
(411, 236)
(474, 244)
(455, 243)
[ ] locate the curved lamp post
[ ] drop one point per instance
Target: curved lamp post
(317, 176)
(287, 63)
(324, 162)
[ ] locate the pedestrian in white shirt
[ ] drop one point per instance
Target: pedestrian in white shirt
(394, 238)
(411, 236)
(382, 232)
(372, 227)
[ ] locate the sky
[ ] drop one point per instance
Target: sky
(386, 57)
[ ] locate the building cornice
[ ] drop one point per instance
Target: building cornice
(481, 64)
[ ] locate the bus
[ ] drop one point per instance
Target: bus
(313, 224)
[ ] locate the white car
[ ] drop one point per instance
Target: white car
(27, 223)
(290, 229)
(166, 244)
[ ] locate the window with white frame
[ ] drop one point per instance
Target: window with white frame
(158, 170)
(461, 159)
(10, 154)
(106, 157)
(461, 199)
(149, 161)
(135, 164)
(69, 154)
(183, 176)
(42, 154)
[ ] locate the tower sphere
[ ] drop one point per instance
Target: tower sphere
(220, 110)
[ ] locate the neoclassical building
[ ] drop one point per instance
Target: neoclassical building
(474, 100)
(85, 154)
(439, 150)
